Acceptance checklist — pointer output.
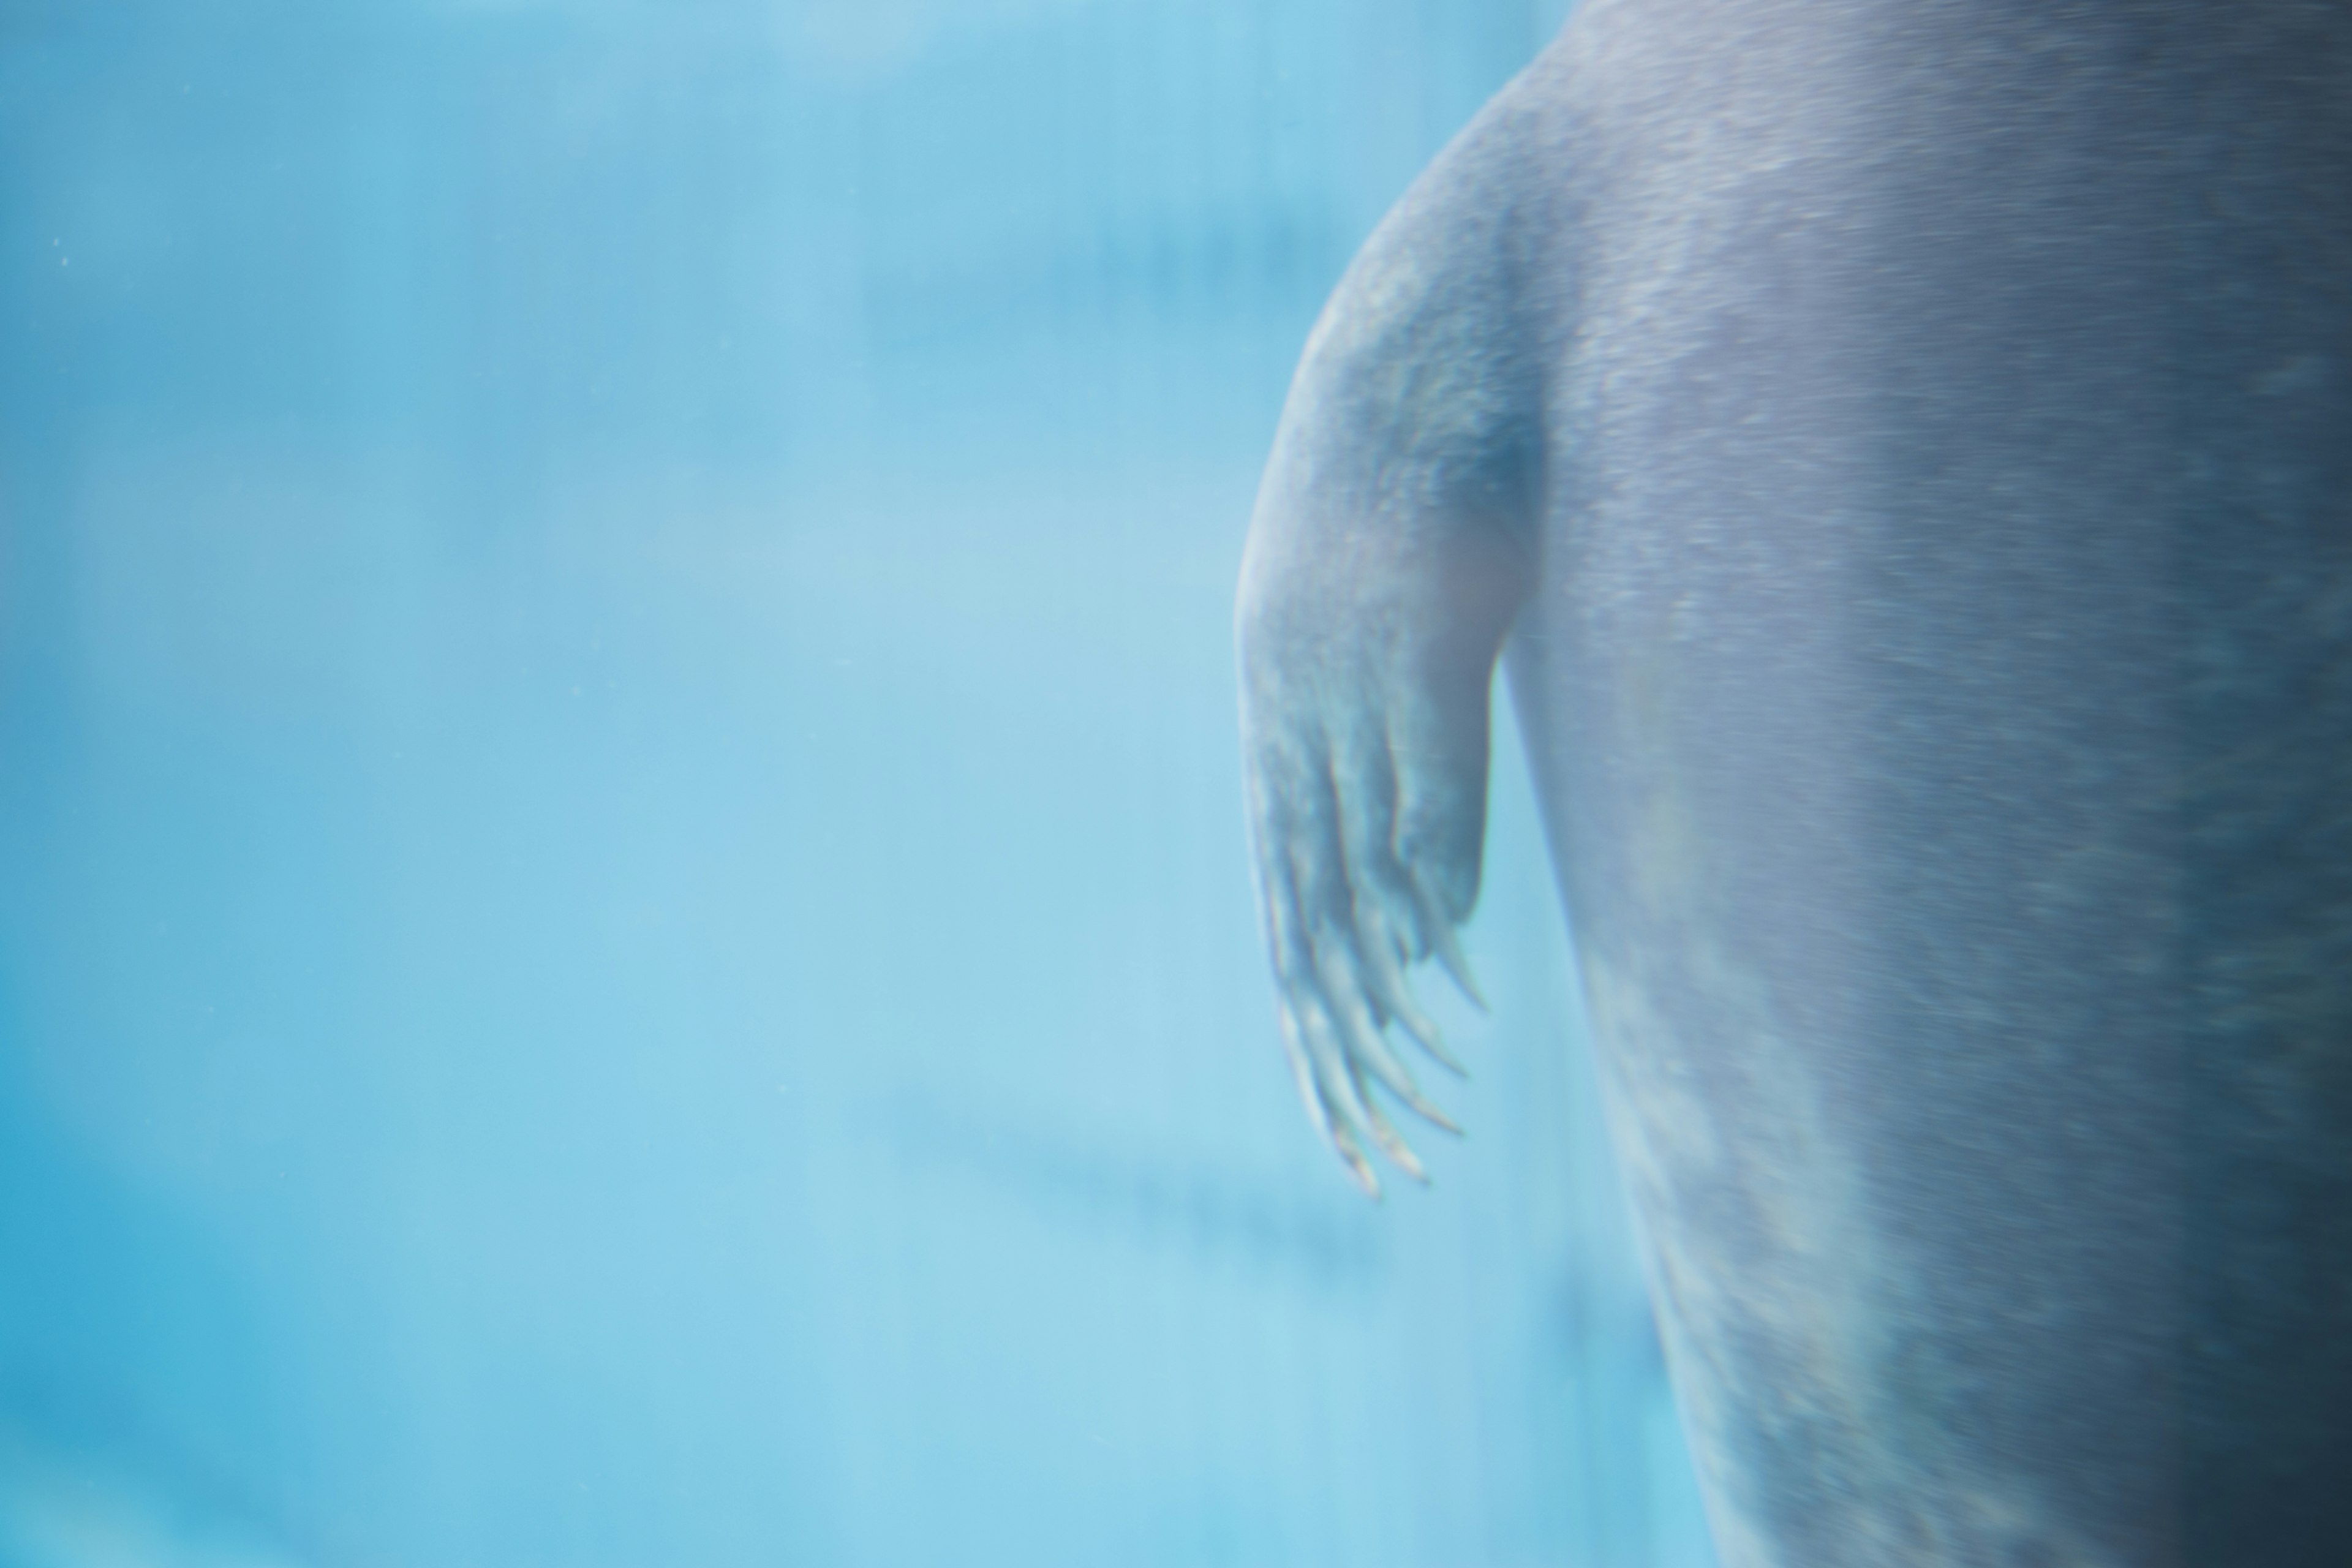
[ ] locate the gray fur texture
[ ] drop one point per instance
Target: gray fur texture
(1906, 446)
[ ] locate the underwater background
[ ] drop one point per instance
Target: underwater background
(625, 935)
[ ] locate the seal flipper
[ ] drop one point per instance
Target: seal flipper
(1391, 548)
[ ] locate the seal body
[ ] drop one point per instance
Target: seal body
(1936, 661)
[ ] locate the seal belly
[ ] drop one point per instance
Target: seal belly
(1940, 693)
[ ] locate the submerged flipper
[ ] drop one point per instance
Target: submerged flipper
(1389, 550)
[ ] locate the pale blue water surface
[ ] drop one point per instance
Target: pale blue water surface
(624, 929)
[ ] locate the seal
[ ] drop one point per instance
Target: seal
(1902, 450)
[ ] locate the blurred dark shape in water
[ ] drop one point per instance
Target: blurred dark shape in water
(1261, 1228)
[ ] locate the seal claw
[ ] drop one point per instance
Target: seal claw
(1447, 945)
(1392, 993)
(1392, 1143)
(1354, 1014)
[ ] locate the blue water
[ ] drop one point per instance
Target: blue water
(624, 932)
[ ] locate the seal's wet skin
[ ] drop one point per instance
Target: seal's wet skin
(1908, 447)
